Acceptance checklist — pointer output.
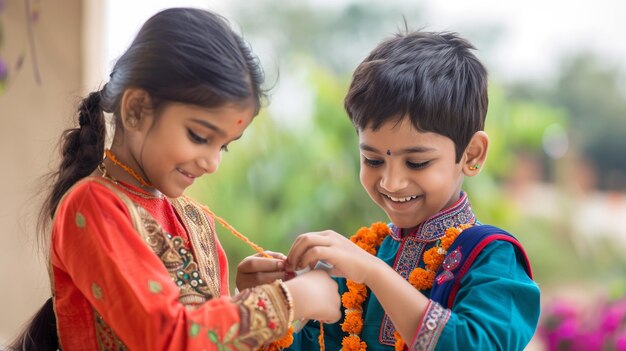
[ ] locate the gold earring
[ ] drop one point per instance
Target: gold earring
(475, 167)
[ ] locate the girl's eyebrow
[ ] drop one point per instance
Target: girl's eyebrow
(209, 125)
(411, 150)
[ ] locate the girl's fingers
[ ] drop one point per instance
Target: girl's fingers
(277, 255)
(254, 264)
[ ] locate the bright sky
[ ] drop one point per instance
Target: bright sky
(537, 32)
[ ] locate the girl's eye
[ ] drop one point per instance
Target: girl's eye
(196, 138)
(225, 148)
(420, 165)
(371, 162)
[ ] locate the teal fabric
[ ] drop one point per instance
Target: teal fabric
(496, 308)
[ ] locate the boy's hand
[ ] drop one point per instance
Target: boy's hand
(347, 259)
(256, 270)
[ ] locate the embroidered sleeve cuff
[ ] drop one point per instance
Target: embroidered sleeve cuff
(265, 312)
(433, 322)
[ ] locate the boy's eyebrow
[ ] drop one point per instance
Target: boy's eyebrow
(209, 125)
(411, 150)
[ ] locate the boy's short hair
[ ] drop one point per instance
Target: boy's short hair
(434, 78)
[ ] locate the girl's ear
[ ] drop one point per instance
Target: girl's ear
(475, 154)
(135, 106)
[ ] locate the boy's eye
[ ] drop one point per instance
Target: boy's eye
(196, 138)
(419, 165)
(372, 162)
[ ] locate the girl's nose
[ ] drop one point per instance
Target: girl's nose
(210, 162)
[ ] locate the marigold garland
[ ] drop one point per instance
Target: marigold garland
(370, 239)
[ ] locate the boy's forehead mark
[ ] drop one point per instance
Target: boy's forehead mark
(410, 150)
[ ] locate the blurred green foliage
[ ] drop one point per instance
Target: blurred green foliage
(282, 179)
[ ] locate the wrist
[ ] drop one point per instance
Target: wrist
(288, 301)
(374, 269)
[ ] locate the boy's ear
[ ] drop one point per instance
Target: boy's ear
(475, 154)
(134, 108)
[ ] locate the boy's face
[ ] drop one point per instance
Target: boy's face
(411, 175)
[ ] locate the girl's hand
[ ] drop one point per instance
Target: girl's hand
(256, 270)
(315, 296)
(349, 260)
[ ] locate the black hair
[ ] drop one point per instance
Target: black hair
(182, 55)
(433, 78)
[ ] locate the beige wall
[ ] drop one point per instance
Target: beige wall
(31, 119)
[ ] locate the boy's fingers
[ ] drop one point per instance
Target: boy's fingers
(304, 243)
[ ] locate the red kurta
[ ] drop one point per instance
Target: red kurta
(133, 271)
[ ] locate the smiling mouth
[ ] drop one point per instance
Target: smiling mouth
(189, 175)
(401, 199)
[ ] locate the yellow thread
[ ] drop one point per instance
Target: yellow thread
(128, 170)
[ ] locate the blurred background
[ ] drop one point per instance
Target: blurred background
(555, 176)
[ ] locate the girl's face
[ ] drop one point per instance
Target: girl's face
(411, 175)
(186, 141)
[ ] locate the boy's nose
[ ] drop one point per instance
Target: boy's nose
(393, 182)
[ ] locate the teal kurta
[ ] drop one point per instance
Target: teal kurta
(495, 308)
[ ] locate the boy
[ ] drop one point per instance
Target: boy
(437, 279)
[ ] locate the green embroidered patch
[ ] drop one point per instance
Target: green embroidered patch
(155, 287)
(96, 290)
(81, 222)
(213, 337)
(194, 329)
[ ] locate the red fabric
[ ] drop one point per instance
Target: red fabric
(99, 260)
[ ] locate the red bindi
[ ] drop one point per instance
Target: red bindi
(239, 121)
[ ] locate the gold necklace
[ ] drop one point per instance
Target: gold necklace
(127, 169)
(105, 174)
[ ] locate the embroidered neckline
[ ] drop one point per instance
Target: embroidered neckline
(434, 227)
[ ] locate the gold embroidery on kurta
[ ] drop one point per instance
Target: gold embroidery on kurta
(106, 337)
(203, 240)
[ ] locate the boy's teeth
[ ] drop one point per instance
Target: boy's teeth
(402, 199)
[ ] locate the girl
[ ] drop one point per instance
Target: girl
(134, 264)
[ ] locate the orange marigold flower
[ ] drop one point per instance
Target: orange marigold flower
(422, 279)
(448, 239)
(357, 288)
(353, 323)
(465, 226)
(351, 300)
(433, 258)
(381, 230)
(399, 346)
(353, 343)
(360, 234)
